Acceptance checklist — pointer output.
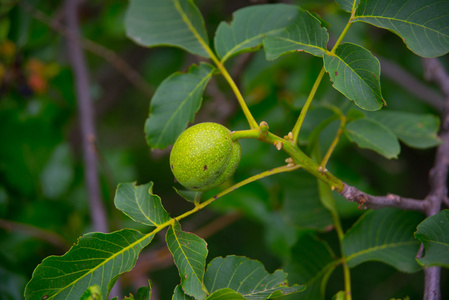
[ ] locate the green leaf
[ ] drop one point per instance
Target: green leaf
(97, 258)
(225, 294)
(248, 277)
(189, 252)
(422, 25)
(175, 103)
(312, 261)
(341, 295)
(355, 73)
(415, 130)
(249, 27)
(167, 22)
(433, 232)
(304, 34)
(302, 206)
(179, 294)
(347, 5)
(140, 204)
(370, 134)
(384, 235)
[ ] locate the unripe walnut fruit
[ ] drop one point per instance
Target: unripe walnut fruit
(204, 156)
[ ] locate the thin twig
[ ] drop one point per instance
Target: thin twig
(410, 83)
(39, 233)
(86, 118)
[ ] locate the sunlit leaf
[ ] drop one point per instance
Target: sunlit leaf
(384, 235)
(97, 258)
(250, 25)
(167, 22)
(175, 103)
(140, 204)
(304, 34)
(415, 130)
(433, 232)
(247, 277)
(312, 261)
(189, 253)
(370, 134)
(422, 25)
(355, 73)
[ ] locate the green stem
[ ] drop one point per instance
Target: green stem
(328, 201)
(252, 122)
(312, 93)
(233, 188)
(306, 106)
(299, 157)
(334, 142)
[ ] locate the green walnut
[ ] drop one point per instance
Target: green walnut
(204, 156)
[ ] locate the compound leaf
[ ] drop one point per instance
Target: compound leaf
(97, 259)
(304, 34)
(167, 22)
(433, 233)
(384, 235)
(189, 252)
(355, 73)
(140, 204)
(247, 277)
(422, 25)
(370, 134)
(249, 27)
(415, 130)
(175, 103)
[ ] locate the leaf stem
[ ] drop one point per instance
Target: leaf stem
(252, 122)
(334, 142)
(306, 106)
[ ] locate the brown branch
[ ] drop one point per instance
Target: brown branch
(110, 56)
(438, 176)
(86, 119)
(369, 201)
(36, 232)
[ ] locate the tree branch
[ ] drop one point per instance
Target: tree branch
(369, 201)
(438, 176)
(86, 119)
(36, 232)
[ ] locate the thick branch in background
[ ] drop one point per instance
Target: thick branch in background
(86, 118)
(439, 173)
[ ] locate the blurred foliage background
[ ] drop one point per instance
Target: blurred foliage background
(43, 198)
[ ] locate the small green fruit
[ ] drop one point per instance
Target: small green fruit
(204, 156)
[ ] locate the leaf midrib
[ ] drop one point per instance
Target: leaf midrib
(378, 248)
(360, 18)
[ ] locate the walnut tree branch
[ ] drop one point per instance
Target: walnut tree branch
(86, 118)
(369, 201)
(438, 175)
